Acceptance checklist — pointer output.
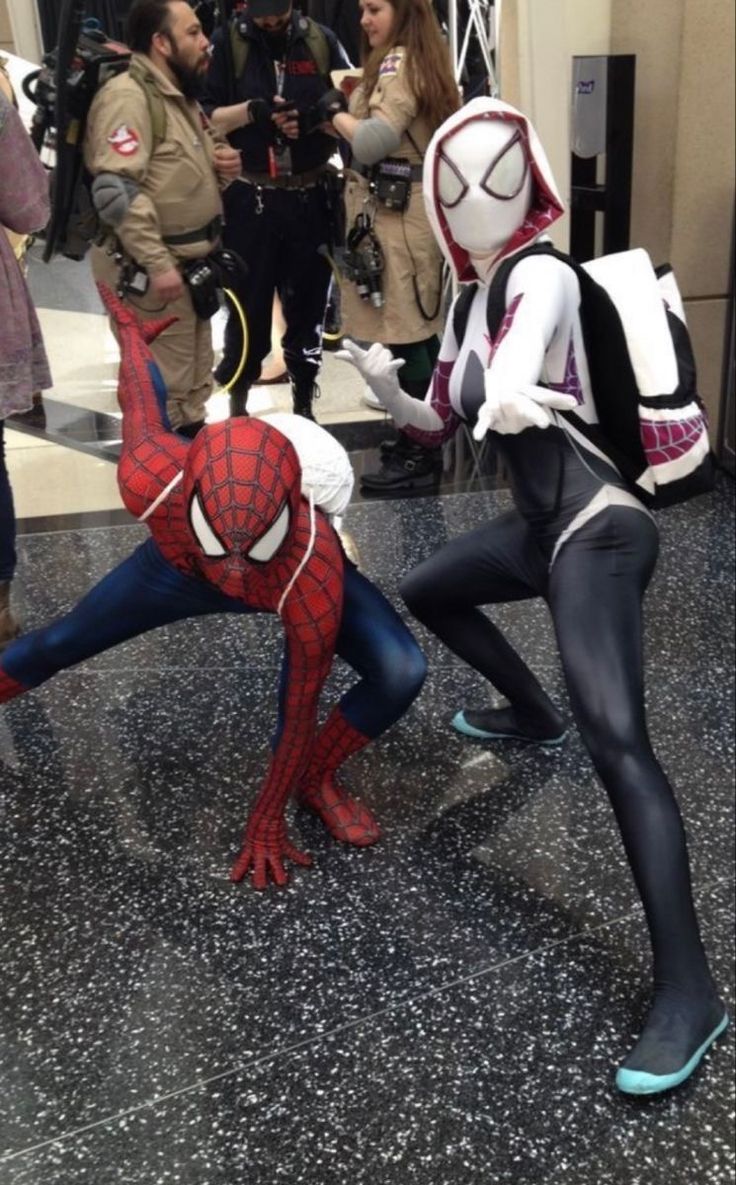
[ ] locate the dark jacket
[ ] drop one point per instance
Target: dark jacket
(302, 87)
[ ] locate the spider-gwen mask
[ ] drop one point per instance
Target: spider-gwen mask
(487, 187)
(242, 486)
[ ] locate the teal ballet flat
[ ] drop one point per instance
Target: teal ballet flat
(639, 1082)
(460, 724)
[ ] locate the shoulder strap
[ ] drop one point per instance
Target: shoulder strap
(154, 99)
(461, 312)
(239, 49)
(318, 46)
(609, 363)
(496, 306)
(316, 42)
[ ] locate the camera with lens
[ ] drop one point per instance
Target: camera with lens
(362, 262)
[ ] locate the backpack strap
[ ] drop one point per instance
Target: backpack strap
(609, 364)
(154, 99)
(239, 49)
(461, 312)
(318, 46)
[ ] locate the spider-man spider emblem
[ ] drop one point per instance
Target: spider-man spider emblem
(231, 532)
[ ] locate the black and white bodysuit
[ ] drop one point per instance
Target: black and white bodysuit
(577, 536)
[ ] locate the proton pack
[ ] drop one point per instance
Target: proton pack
(62, 90)
(652, 421)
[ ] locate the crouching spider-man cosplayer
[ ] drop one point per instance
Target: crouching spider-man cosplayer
(577, 536)
(231, 532)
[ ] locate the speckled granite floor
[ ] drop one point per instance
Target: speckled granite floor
(446, 1008)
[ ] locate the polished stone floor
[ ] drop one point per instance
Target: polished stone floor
(446, 1008)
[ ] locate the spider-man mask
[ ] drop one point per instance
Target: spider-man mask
(242, 486)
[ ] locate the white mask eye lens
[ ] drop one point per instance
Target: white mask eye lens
(506, 175)
(267, 546)
(451, 185)
(203, 532)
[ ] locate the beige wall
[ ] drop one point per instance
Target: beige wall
(684, 156)
(23, 28)
(684, 135)
(6, 35)
(538, 41)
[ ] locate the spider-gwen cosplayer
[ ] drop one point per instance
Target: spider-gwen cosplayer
(577, 536)
(232, 533)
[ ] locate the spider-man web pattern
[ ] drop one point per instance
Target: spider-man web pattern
(231, 532)
(668, 440)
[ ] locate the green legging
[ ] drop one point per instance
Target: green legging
(419, 359)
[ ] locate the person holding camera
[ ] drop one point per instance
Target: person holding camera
(269, 89)
(157, 173)
(394, 265)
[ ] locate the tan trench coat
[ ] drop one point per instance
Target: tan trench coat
(409, 246)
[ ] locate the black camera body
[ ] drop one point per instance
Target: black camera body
(206, 277)
(391, 183)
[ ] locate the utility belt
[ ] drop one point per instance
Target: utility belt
(390, 181)
(306, 180)
(205, 279)
(206, 234)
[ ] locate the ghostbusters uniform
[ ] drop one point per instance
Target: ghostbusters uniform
(175, 215)
(409, 247)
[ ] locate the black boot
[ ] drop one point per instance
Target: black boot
(190, 430)
(407, 468)
(303, 395)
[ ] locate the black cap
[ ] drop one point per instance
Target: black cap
(260, 8)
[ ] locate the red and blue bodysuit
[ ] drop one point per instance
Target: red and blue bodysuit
(231, 532)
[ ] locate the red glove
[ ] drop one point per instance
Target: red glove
(265, 846)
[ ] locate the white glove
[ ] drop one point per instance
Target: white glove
(510, 412)
(379, 368)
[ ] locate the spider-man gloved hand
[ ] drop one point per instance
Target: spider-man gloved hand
(265, 847)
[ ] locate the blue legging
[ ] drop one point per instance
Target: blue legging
(145, 591)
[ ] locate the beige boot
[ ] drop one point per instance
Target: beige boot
(9, 626)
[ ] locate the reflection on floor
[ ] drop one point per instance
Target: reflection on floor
(63, 461)
(446, 1008)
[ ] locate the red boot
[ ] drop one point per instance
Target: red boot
(345, 818)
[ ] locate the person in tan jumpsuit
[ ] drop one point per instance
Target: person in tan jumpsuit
(407, 91)
(160, 196)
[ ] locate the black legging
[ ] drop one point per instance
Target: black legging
(594, 591)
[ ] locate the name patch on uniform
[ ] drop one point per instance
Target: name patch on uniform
(391, 63)
(301, 68)
(124, 140)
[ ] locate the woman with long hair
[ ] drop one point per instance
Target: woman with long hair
(394, 296)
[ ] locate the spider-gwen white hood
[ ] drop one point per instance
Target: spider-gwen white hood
(488, 187)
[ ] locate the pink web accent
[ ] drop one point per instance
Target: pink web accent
(504, 327)
(666, 440)
(440, 401)
(571, 384)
